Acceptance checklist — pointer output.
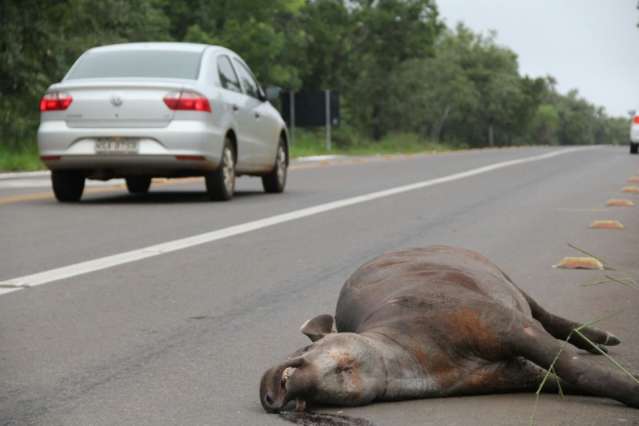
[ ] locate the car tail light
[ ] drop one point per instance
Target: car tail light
(187, 101)
(636, 120)
(55, 101)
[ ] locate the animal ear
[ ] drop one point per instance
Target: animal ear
(318, 327)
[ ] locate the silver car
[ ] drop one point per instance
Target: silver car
(143, 110)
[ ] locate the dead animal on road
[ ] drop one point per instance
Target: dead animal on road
(434, 322)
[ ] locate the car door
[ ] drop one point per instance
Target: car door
(261, 127)
(235, 103)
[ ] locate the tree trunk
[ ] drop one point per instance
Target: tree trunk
(491, 140)
(378, 132)
(437, 129)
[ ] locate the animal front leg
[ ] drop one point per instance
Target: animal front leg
(581, 374)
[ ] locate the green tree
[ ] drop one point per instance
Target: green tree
(544, 125)
(328, 39)
(426, 95)
(40, 41)
(266, 34)
(385, 34)
(577, 120)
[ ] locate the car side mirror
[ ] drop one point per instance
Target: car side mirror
(273, 93)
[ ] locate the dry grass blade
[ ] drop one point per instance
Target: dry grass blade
(591, 255)
(545, 379)
(556, 376)
(628, 282)
(594, 283)
(551, 370)
(608, 357)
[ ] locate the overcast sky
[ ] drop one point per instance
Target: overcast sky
(590, 45)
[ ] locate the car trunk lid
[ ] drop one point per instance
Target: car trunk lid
(101, 104)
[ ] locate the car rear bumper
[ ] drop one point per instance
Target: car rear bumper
(182, 148)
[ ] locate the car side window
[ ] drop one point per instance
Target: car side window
(247, 79)
(228, 78)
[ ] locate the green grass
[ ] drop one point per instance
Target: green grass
(22, 159)
(346, 142)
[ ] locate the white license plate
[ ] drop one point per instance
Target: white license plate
(116, 146)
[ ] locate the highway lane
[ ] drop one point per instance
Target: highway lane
(184, 210)
(183, 338)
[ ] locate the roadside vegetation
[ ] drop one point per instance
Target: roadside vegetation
(23, 158)
(345, 142)
(398, 68)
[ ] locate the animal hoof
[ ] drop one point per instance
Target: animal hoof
(612, 340)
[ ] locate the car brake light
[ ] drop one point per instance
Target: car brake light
(187, 101)
(55, 101)
(636, 120)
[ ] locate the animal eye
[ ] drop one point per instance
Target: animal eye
(344, 369)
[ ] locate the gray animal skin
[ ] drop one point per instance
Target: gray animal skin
(434, 322)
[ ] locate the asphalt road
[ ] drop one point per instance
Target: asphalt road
(182, 338)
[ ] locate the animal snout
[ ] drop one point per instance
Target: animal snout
(269, 404)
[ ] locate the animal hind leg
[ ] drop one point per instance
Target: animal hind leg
(562, 329)
(584, 376)
(514, 375)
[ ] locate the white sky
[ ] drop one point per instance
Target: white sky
(590, 45)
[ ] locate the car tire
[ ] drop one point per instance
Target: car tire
(275, 181)
(220, 184)
(634, 147)
(67, 185)
(138, 184)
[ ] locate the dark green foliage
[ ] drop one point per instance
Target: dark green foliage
(41, 39)
(398, 68)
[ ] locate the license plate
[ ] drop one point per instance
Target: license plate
(116, 146)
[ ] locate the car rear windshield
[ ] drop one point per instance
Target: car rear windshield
(137, 63)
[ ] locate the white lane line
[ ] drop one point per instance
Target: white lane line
(73, 270)
(13, 175)
(46, 183)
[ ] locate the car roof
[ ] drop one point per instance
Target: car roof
(168, 46)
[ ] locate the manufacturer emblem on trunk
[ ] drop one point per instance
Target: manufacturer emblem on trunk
(116, 100)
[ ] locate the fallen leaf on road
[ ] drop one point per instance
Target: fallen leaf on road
(631, 189)
(618, 202)
(606, 224)
(579, 263)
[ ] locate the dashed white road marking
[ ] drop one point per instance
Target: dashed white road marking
(45, 277)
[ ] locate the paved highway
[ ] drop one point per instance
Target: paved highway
(167, 308)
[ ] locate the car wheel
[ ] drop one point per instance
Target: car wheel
(634, 147)
(275, 181)
(220, 184)
(67, 185)
(138, 184)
